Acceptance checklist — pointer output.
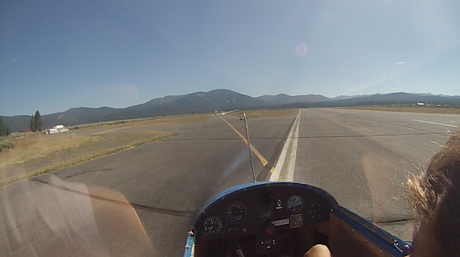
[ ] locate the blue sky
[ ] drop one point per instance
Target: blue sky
(55, 55)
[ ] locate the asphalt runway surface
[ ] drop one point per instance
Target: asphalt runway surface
(361, 157)
(166, 182)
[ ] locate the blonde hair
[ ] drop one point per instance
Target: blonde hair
(435, 198)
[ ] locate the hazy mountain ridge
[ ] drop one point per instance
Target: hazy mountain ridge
(155, 102)
(441, 95)
(398, 99)
(221, 99)
(286, 99)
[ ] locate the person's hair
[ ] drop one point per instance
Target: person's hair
(435, 198)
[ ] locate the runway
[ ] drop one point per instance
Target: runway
(361, 157)
(166, 182)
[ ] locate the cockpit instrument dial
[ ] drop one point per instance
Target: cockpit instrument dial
(295, 204)
(235, 212)
(212, 225)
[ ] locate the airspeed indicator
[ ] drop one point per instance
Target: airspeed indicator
(235, 212)
(212, 225)
(295, 203)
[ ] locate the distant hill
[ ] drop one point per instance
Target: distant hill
(383, 99)
(221, 99)
(448, 96)
(287, 99)
(198, 102)
(72, 116)
(342, 97)
(17, 123)
(155, 102)
(77, 116)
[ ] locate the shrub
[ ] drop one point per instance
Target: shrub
(7, 144)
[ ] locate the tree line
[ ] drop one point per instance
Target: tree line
(36, 123)
(4, 130)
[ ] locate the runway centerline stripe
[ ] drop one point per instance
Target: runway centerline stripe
(254, 150)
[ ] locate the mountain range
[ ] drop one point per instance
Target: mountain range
(221, 99)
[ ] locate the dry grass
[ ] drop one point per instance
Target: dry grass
(414, 109)
(34, 155)
(164, 120)
(265, 113)
(33, 147)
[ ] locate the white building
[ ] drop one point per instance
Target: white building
(56, 129)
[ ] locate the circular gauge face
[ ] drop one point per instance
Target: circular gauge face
(265, 198)
(315, 210)
(294, 203)
(212, 225)
(235, 212)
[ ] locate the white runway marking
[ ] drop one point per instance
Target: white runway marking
(290, 145)
(436, 143)
(435, 123)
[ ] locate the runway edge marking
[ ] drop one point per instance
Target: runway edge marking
(291, 144)
(436, 123)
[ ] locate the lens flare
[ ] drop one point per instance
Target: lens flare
(301, 49)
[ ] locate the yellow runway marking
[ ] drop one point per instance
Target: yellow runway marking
(254, 150)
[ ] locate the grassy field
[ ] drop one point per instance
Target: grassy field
(38, 154)
(164, 120)
(265, 113)
(415, 109)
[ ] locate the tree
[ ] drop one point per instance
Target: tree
(8, 130)
(38, 121)
(32, 124)
(2, 128)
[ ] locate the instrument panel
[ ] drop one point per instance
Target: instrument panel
(262, 209)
